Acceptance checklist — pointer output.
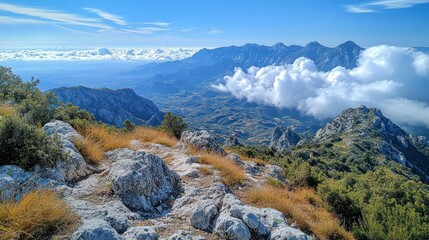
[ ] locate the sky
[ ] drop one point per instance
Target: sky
(210, 23)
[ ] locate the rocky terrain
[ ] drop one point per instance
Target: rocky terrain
(112, 106)
(152, 192)
(387, 138)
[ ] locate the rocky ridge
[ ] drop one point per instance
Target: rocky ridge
(153, 192)
(112, 106)
(388, 139)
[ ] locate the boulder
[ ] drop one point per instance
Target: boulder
(119, 222)
(95, 229)
(74, 167)
(202, 140)
(204, 213)
(185, 235)
(15, 182)
(228, 227)
(140, 233)
(143, 181)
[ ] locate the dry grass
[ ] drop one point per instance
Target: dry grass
(303, 206)
(99, 138)
(90, 150)
(231, 173)
(109, 139)
(153, 135)
(38, 215)
(205, 170)
(6, 111)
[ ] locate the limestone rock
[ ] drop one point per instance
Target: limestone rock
(74, 167)
(202, 140)
(143, 181)
(228, 227)
(96, 229)
(185, 235)
(140, 233)
(15, 182)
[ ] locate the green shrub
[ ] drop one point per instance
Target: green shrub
(129, 126)
(174, 125)
(69, 112)
(26, 145)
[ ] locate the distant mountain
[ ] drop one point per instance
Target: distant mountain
(112, 106)
(208, 65)
(365, 133)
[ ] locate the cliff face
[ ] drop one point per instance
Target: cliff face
(112, 106)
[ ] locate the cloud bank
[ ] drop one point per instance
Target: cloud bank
(391, 78)
(145, 54)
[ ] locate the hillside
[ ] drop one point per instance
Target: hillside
(112, 106)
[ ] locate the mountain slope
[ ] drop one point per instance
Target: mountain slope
(112, 106)
(367, 130)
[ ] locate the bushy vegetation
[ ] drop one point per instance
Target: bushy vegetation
(173, 125)
(25, 145)
(374, 198)
(38, 215)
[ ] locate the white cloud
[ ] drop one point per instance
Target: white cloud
(108, 16)
(215, 31)
(159, 24)
(374, 6)
(391, 78)
(146, 30)
(146, 54)
(53, 16)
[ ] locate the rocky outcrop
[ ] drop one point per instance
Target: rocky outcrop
(216, 210)
(201, 140)
(142, 181)
(283, 138)
(232, 141)
(140, 233)
(112, 106)
(392, 142)
(15, 182)
(74, 167)
(96, 229)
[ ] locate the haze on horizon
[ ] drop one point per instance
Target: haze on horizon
(190, 23)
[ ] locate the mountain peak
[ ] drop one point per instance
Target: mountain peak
(349, 45)
(314, 44)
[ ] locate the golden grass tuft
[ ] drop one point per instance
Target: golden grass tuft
(303, 206)
(231, 173)
(38, 215)
(153, 135)
(100, 138)
(90, 150)
(6, 111)
(109, 139)
(205, 170)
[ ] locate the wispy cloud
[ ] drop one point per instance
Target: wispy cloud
(376, 6)
(108, 16)
(215, 30)
(159, 24)
(11, 20)
(146, 30)
(55, 16)
(187, 29)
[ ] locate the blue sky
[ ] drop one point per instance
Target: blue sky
(210, 23)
